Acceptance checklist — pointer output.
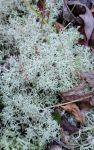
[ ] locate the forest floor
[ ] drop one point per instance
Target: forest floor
(47, 75)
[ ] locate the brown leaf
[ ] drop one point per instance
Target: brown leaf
(58, 26)
(55, 145)
(92, 101)
(67, 126)
(65, 136)
(85, 100)
(84, 106)
(74, 110)
(74, 93)
(88, 3)
(41, 5)
(89, 77)
(87, 18)
(65, 13)
(92, 9)
(91, 41)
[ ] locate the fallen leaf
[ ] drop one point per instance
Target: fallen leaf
(92, 9)
(65, 137)
(58, 26)
(85, 106)
(55, 145)
(67, 126)
(41, 5)
(92, 101)
(73, 94)
(67, 14)
(88, 3)
(84, 100)
(74, 110)
(87, 18)
(89, 77)
(91, 41)
(60, 16)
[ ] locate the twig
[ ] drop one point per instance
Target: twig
(74, 101)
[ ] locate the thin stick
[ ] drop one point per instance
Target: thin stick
(74, 101)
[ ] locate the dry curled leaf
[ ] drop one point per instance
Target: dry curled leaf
(74, 110)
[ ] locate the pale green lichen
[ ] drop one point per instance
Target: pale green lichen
(84, 140)
(46, 64)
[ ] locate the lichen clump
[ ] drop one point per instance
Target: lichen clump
(42, 63)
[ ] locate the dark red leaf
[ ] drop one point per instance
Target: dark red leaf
(91, 41)
(67, 126)
(41, 5)
(88, 19)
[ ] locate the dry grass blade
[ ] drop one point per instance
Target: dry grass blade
(74, 101)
